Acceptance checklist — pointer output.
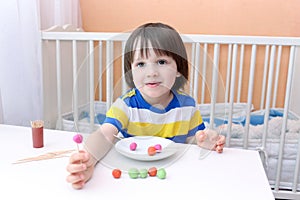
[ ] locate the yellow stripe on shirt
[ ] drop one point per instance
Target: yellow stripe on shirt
(117, 113)
(161, 130)
(196, 119)
(129, 94)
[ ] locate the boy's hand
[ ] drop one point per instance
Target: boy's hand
(81, 169)
(210, 139)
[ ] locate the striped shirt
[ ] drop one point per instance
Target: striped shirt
(133, 116)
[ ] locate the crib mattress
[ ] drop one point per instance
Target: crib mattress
(83, 124)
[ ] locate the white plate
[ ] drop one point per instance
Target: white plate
(141, 151)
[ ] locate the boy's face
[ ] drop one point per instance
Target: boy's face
(154, 75)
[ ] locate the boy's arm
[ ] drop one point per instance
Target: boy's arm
(100, 141)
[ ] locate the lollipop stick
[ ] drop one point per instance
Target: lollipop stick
(78, 139)
(77, 147)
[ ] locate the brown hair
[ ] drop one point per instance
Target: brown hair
(164, 40)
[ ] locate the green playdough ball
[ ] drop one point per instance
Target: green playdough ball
(143, 173)
(133, 173)
(161, 173)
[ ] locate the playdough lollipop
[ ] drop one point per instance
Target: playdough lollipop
(78, 139)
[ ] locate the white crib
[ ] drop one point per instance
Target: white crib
(234, 79)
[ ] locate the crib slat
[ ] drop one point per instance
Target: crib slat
(250, 95)
(214, 84)
(231, 97)
(241, 73)
(297, 169)
(109, 73)
(263, 91)
(192, 69)
(100, 70)
(204, 67)
(285, 115)
(196, 71)
(58, 81)
(92, 88)
(228, 73)
(124, 86)
(75, 87)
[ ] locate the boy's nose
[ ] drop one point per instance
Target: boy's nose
(152, 70)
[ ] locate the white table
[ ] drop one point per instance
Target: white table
(234, 174)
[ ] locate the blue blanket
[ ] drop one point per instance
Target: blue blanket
(256, 118)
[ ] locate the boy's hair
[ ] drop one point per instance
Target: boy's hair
(164, 40)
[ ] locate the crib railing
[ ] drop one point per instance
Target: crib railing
(253, 70)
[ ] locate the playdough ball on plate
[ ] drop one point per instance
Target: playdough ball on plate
(133, 173)
(152, 171)
(143, 173)
(133, 146)
(78, 138)
(161, 173)
(158, 147)
(151, 151)
(116, 173)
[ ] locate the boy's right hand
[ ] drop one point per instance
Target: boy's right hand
(81, 168)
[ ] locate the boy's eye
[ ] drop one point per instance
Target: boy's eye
(162, 62)
(140, 64)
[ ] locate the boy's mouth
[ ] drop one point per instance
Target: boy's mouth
(152, 85)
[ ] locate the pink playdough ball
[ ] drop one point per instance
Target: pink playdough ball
(133, 146)
(78, 138)
(158, 147)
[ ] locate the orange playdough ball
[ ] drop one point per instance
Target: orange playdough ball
(116, 173)
(152, 171)
(151, 151)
